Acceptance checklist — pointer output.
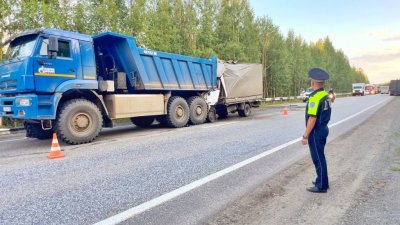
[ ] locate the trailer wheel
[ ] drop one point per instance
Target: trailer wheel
(222, 111)
(246, 111)
(34, 130)
(143, 121)
(197, 110)
(79, 121)
(212, 115)
(177, 112)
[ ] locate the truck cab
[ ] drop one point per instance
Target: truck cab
(358, 89)
(31, 73)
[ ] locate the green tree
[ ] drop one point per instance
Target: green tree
(5, 11)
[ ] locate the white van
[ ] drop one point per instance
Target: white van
(358, 89)
(384, 89)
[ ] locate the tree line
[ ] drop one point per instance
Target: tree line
(227, 29)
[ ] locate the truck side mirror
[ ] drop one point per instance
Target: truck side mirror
(52, 49)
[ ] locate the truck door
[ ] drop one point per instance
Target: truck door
(50, 73)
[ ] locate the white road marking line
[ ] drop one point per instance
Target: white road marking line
(218, 125)
(120, 217)
(14, 140)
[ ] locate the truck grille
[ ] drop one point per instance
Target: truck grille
(8, 85)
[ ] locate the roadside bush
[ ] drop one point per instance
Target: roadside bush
(9, 123)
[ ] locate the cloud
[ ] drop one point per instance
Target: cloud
(384, 35)
(379, 34)
(380, 66)
(394, 38)
(377, 57)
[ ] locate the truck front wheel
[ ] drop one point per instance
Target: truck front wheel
(212, 115)
(222, 111)
(197, 110)
(79, 121)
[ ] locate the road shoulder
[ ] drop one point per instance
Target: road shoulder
(362, 180)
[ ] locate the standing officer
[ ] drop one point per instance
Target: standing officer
(318, 114)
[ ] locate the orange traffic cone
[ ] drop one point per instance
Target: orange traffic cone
(55, 151)
(285, 111)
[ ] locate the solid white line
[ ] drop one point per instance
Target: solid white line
(14, 140)
(120, 217)
(218, 125)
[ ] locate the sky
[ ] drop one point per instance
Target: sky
(368, 31)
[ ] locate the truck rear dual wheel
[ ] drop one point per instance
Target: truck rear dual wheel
(79, 121)
(177, 112)
(246, 111)
(35, 130)
(197, 110)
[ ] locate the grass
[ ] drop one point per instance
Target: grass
(396, 166)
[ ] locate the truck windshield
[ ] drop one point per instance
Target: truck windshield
(21, 47)
(357, 87)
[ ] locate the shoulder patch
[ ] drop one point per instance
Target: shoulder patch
(312, 104)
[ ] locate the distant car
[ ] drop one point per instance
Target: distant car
(306, 94)
(370, 89)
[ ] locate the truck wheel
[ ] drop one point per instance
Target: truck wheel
(143, 121)
(177, 112)
(79, 121)
(222, 111)
(246, 111)
(34, 130)
(212, 115)
(197, 110)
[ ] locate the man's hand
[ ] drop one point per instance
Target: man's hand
(304, 141)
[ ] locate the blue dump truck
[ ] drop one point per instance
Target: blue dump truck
(74, 84)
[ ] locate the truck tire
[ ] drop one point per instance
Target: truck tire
(177, 112)
(143, 121)
(79, 121)
(212, 115)
(246, 111)
(222, 111)
(197, 110)
(34, 130)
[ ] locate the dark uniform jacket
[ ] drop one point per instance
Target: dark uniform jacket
(319, 106)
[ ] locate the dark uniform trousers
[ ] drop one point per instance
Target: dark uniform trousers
(316, 142)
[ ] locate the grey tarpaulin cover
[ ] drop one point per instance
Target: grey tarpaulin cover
(243, 80)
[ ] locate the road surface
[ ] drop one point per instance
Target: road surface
(160, 175)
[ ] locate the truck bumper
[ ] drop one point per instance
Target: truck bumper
(29, 106)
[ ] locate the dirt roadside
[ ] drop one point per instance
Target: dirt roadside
(364, 172)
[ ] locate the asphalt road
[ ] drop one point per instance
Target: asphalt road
(173, 175)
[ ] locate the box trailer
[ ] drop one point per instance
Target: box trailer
(240, 87)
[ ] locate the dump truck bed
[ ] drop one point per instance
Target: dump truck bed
(156, 70)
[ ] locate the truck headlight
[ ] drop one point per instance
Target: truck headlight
(23, 102)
